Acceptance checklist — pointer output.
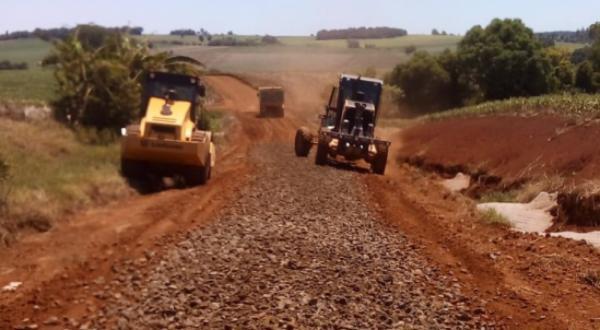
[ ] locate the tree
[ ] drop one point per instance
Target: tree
(410, 49)
(352, 43)
(435, 32)
(98, 73)
(594, 32)
(584, 78)
(564, 70)
(269, 40)
(425, 83)
(506, 59)
(581, 55)
(361, 33)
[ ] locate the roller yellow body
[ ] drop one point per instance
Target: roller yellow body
(167, 141)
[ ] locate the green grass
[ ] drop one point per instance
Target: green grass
(52, 173)
(499, 197)
(571, 46)
(493, 218)
(422, 42)
(35, 83)
(569, 105)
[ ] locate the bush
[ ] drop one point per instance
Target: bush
(7, 65)
(353, 43)
(183, 32)
(584, 78)
(231, 41)
(425, 82)
(270, 40)
(361, 33)
(4, 187)
(410, 49)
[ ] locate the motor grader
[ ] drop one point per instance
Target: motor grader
(271, 101)
(347, 129)
(168, 140)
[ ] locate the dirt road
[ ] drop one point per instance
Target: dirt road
(277, 242)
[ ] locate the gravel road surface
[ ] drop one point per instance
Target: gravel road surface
(299, 248)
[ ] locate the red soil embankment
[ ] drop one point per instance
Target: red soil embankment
(509, 147)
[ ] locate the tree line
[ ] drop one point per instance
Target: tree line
(579, 36)
(502, 60)
(361, 33)
(8, 65)
(62, 33)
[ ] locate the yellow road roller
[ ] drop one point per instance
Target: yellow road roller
(169, 141)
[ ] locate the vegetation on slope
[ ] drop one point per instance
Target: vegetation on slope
(584, 106)
(503, 60)
(49, 173)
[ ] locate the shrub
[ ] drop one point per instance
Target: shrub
(270, 40)
(584, 78)
(410, 49)
(353, 43)
(4, 187)
(493, 218)
(361, 33)
(7, 65)
(424, 81)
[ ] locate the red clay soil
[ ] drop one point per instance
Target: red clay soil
(527, 281)
(513, 148)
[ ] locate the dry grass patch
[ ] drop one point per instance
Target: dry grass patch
(493, 218)
(51, 173)
(532, 189)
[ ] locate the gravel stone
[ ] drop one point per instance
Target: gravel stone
(299, 248)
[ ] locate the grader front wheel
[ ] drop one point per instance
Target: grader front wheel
(303, 142)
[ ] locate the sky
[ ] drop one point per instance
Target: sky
(297, 17)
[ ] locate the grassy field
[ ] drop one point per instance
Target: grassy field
(35, 83)
(52, 173)
(425, 42)
(584, 106)
(294, 54)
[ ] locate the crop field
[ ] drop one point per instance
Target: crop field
(568, 105)
(33, 84)
(297, 54)
(304, 54)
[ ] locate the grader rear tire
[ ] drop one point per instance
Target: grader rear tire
(379, 163)
(303, 142)
(321, 158)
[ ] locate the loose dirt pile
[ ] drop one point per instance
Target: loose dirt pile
(298, 249)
